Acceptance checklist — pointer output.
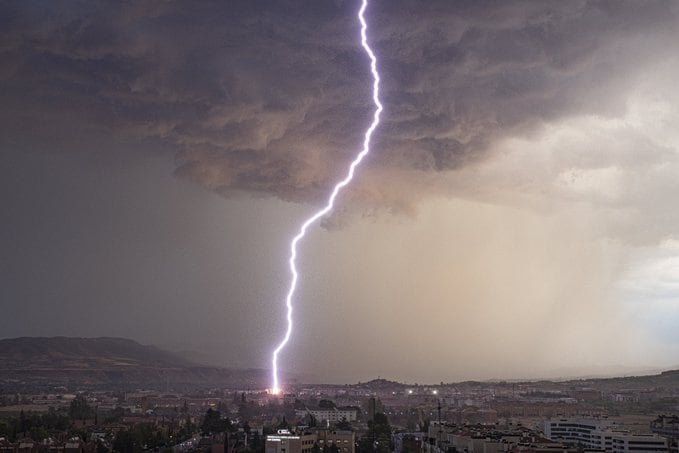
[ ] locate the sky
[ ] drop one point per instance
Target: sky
(516, 217)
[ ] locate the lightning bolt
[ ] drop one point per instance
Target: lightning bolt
(331, 200)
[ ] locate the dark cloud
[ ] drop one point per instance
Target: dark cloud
(550, 127)
(461, 75)
(272, 97)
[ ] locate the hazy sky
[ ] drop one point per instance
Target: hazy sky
(516, 218)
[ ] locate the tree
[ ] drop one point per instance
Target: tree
(125, 442)
(116, 415)
(326, 404)
(332, 448)
(378, 437)
(187, 430)
(22, 422)
(374, 405)
(140, 437)
(381, 425)
(344, 425)
(256, 442)
(101, 448)
(283, 424)
(79, 409)
(246, 409)
(213, 423)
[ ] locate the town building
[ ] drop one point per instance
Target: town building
(344, 441)
(330, 415)
(450, 438)
(409, 442)
(668, 427)
(318, 440)
(638, 443)
(601, 435)
(287, 442)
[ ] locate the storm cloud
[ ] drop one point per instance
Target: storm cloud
(271, 98)
(532, 145)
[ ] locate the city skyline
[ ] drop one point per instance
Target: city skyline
(515, 217)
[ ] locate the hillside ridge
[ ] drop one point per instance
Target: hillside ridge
(109, 362)
(83, 352)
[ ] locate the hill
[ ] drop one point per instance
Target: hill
(665, 380)
(40, 363)
(82, 353)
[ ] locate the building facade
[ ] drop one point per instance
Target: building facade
(287, 442)
(668, 427)
(320, 440)
(599, 434)
(334, 415)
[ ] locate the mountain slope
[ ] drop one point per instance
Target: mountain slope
(68, 352)
(45, 362)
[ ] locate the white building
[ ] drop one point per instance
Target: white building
(319, 439)
(580, 431)
(286, 442)
(597, 434)
(334, 415)
(639, 443)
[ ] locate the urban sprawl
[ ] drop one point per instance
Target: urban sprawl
(597, 416)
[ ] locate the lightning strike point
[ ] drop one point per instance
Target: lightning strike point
(276, 389)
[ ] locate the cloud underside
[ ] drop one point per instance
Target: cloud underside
(526, 103)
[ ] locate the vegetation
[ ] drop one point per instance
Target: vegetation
(378, 437)
(80, 409)
(214, 423)
(140, 437)
(35, 426)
